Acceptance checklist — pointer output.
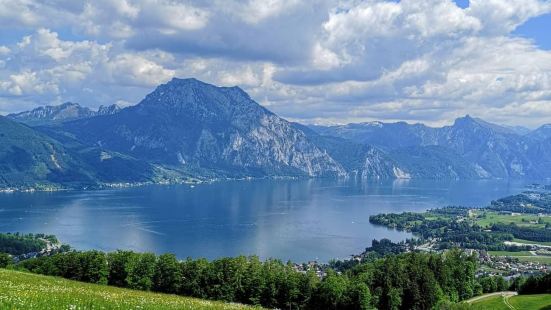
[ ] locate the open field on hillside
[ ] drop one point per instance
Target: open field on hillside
(19, 290)
(507, 301)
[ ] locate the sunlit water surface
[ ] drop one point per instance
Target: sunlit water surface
(299, 220)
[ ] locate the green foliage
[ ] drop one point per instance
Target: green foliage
(537, 284)
(118, 262)
(493, 284)
(404, 281)
(17, 244)
(167, 276)
(5, 260)
(140, 271)
(453, 227)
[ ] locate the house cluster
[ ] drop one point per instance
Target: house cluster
(311, 266)
(509, 266)
(49, 249)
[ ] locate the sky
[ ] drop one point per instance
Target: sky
(317, 62)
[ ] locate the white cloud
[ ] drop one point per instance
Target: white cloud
(133, 70)
(322, 61)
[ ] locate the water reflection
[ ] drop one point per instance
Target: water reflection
(288, 219)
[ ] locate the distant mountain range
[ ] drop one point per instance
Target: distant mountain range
(470, 148)
(187, 130)
(60, 113)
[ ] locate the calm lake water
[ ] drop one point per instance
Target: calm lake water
(299, 220)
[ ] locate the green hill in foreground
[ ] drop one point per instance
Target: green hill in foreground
(19, 290)
(497, 301)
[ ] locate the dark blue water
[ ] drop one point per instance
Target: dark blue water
(299, 220)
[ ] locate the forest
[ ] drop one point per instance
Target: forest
(404, 281)
(459, 227)
(17, 244)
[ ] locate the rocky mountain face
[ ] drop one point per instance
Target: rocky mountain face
(190, 124)
(540, 134)
(470, 148)
(60, 113)
(186, 129)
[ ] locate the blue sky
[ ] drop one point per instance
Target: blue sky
(325, 62)
(537, 29)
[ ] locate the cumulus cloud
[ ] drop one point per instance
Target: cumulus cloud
(327, 62)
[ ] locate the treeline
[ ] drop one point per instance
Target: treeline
(540, 284)
(405, 281)
(527, 202)
(445, 225)
(452, 228)
(17, 244)
(526, 233)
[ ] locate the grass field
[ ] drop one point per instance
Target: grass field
(539, 259)
(527, 220)
(523, 256)
(493, 302)
(20, 290)
(506, 253)
(519, 302)
(531, 242)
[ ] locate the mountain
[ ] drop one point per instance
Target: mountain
(359, 160)
(32, 159)
(107, 110)
(471, 147)
(29, 158)
(60, 113)
(191, 125)
(187, 129)
(541, 133)
(387, 136)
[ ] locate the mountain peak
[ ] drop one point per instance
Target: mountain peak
(67, 104)
(67, 111)
(184, 81)
(475, 122)
(191, 95)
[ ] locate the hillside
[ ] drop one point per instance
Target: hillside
(506, 301)
(20, 290)
(29, 158)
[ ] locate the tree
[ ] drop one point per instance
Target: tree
(167, 276)
(357, 296)
(5, 260)
(140, 271)
(516, 283)
(93, 267)
(331, 291)
(119, 263)
(194, 278)
(501, 284)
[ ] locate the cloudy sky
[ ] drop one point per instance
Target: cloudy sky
(316, 61)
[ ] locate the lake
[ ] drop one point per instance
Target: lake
(301, 220)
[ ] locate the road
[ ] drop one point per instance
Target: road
(506, 295)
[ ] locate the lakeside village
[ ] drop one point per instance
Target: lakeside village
(510, 238)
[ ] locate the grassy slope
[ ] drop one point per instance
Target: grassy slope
(531, 242)
(493, 217)
(19, 290)
(524, 302)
